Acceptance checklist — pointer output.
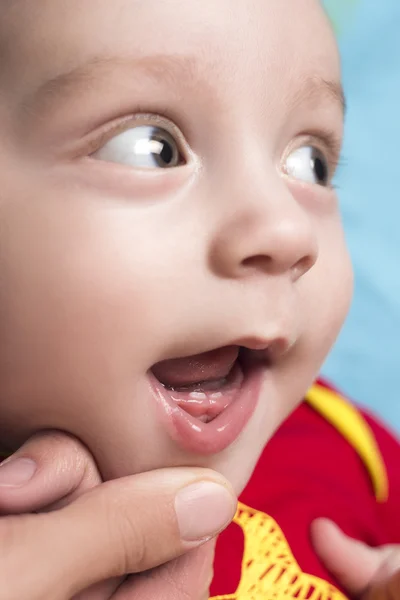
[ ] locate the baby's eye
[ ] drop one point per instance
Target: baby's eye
(144, 146)
(308, 164)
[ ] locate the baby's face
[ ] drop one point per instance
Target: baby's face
(166, 193)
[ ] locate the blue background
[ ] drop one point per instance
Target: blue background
(365, 362)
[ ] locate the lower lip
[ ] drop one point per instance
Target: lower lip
(210, 438)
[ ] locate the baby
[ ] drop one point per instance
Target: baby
(173, 266)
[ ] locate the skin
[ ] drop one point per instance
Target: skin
(108, 269)
(98, 264)
(125, 543)
(80, 522)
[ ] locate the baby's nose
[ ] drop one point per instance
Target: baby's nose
(275, 236)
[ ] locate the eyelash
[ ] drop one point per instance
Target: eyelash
(334, 149)
(139, 118)
(331, 146)
(340, 162)
(326, 140)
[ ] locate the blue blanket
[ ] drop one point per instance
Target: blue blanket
(365, 363)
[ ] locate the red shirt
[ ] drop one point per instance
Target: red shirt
(309, 470)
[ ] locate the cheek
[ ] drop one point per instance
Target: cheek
(324, 296)
(77, 303)
(324, 299)
(330, 290)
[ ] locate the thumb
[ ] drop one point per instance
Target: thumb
(354, 564)
(125, 526)
(185, 578)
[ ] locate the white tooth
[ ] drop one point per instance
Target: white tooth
(198, 396)
(217, 395)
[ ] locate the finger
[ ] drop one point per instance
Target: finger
(386, 589)
(354, 564)
(51, 467)
(49, 471)
(185, 578)
(123, 526)
(100, 591)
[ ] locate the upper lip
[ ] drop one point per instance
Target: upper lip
(252, 349)
(270, 349)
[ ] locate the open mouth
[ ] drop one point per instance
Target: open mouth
(203, 385)
(207, 399)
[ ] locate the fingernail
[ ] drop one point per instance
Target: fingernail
(203, 509)
(16, 472)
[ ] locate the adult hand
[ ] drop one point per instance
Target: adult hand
(95, 532)
(368, 573)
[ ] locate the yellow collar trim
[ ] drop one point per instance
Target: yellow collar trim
(354, 428)
(269, 569)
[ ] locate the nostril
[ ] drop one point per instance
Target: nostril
(259, 262)
(303, 266)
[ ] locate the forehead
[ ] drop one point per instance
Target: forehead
(42, 39)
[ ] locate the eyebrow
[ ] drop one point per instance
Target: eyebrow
(174, 69)
(312, 88)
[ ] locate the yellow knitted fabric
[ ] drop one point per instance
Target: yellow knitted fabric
(269, 569)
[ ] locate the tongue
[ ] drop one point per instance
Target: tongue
(201, 368)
